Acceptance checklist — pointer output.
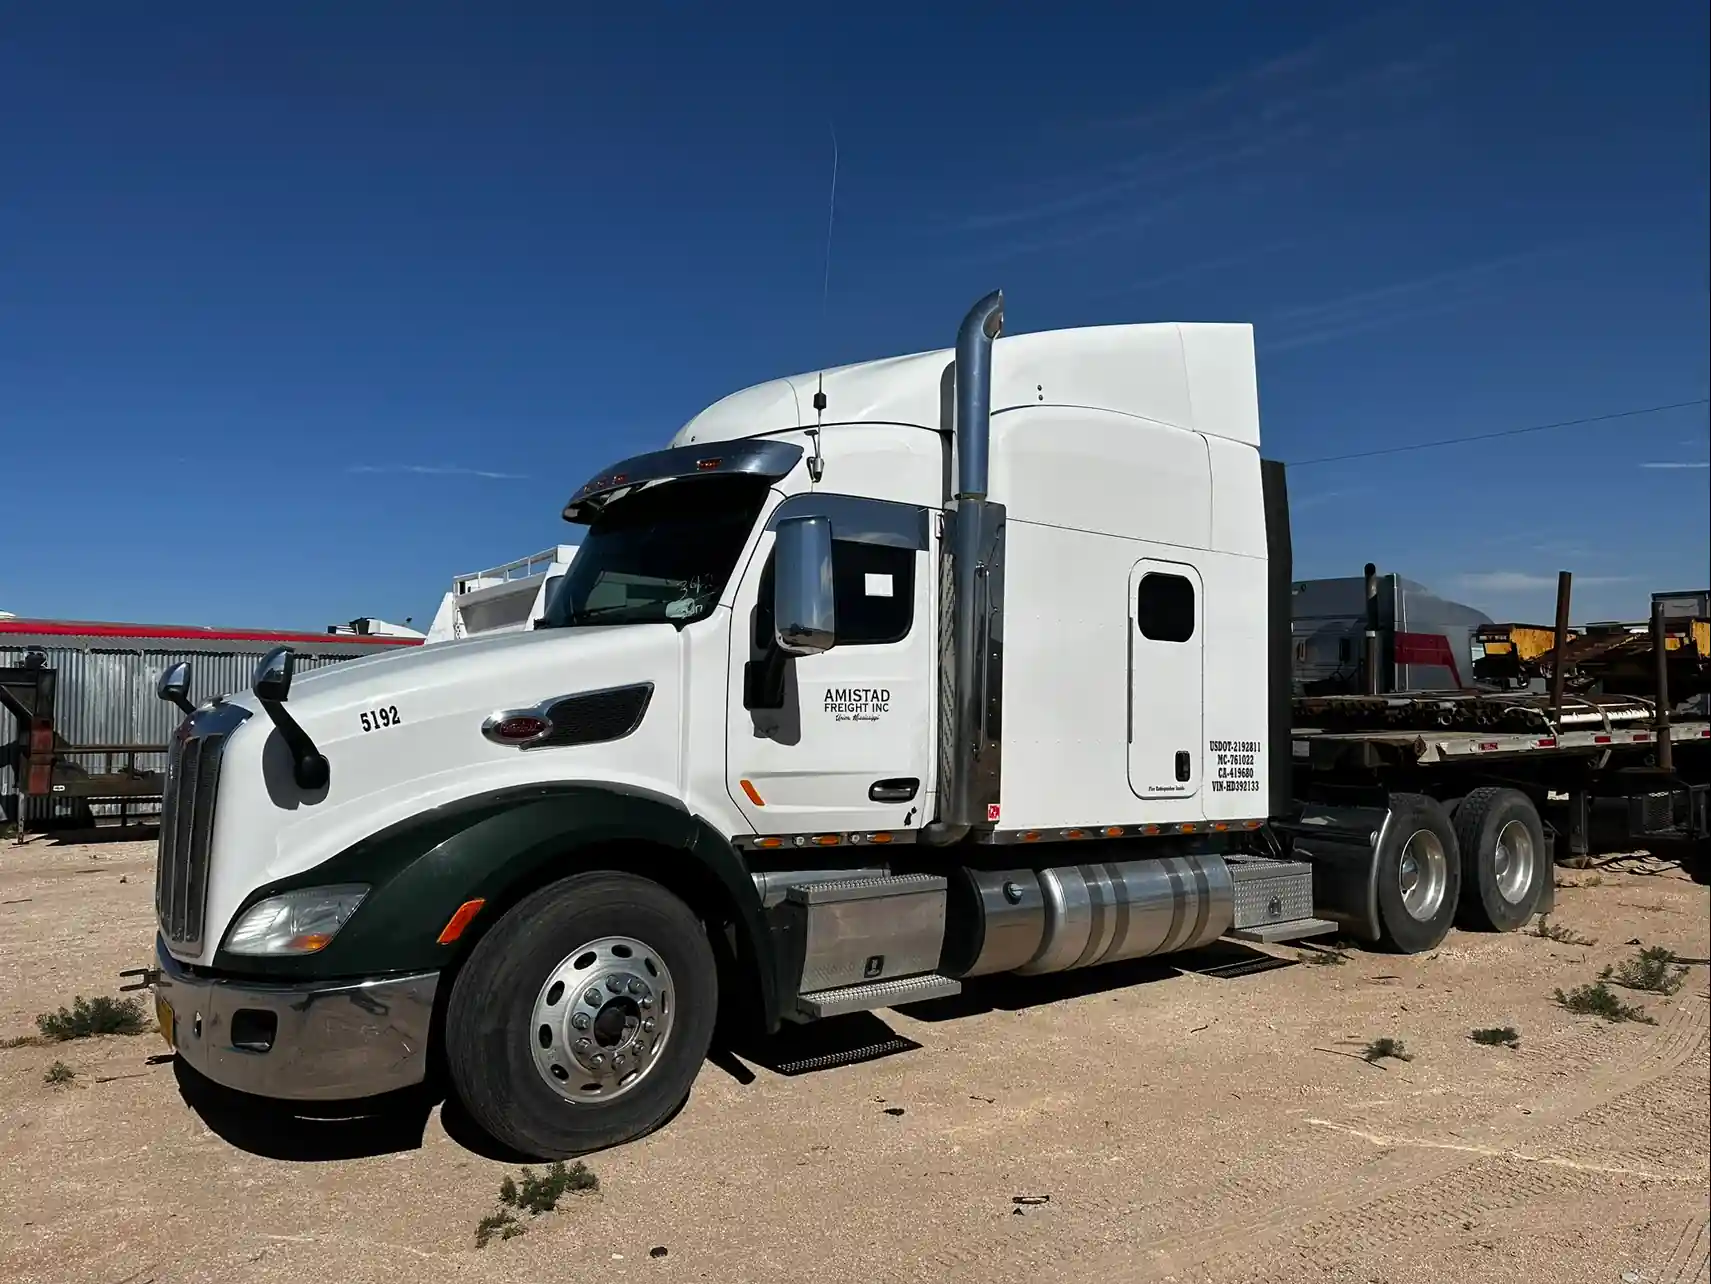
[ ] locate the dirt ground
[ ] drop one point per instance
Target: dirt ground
(1159, 1123)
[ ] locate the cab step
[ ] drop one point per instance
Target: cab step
(1294, 930)
(874, 994)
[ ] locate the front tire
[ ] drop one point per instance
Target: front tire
(582, 1018)
(1504, 866)
(1419, 875)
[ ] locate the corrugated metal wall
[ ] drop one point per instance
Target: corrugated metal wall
(108, 697)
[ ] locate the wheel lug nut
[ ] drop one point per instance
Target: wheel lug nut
(618, 1061)
(648, 1025)
(581, 1021)
(599, 1058)
(615, 984)
(636, 987)
(593, 998)
(647, 1001)
(582, 1045)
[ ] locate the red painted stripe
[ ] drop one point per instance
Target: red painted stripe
(93, 629)
(1430, 649)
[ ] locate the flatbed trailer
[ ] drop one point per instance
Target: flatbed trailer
(1594, 769)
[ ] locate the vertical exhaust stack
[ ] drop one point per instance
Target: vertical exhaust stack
(1372, 677)
(974, 339)
(972, 597)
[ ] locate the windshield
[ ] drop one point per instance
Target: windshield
(661, 556)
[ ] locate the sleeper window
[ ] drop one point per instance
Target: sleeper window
(1164, 608)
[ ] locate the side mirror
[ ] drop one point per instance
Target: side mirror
(272, 680)
(804, 612)
(174, 686)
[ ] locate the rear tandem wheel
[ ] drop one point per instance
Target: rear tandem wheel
(1419, 875)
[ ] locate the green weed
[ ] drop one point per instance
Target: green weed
(1597, 999)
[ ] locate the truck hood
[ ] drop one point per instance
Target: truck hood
(402, 734)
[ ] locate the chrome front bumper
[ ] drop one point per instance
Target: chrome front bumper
(332, 1041)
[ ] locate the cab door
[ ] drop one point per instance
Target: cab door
(1165, 676)
(841, 741)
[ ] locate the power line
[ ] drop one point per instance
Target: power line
(1506, 432)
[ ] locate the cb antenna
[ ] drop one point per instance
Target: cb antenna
(817, 464)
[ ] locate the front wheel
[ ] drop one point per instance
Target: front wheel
(581, 1020)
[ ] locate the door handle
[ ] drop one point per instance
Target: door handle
(894, 791)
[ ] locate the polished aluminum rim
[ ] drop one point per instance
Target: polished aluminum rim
(1514, 861)
(1423, 874)
(602, 1019)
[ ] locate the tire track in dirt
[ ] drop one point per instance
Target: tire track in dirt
(1406, 1176)
(1689, 1261)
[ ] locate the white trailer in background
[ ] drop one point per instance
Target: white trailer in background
(503, 599)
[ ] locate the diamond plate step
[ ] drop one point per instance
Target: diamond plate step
(1294, 929)
(878, 994)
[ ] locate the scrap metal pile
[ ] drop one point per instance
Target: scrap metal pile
(1611, 659)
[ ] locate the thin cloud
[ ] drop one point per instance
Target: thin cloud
(1680, 463)
(1309, 109)
(435, 470)
(1528, 582)
(1299, 502)
(1201, 268)
(1413, 299)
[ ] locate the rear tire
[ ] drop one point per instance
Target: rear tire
(1504, 866)
(1419, 875)
(537, 1062)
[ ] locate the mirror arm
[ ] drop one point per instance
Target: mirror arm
(309, 767)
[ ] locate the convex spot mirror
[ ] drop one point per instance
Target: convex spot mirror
(272, 679)
(174, 685)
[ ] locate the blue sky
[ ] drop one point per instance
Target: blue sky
(304, 309)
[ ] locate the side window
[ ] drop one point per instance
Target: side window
(873, 586)
(1164, 607)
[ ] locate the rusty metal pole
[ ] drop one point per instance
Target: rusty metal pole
(1559, 643)
(1660, 658)
(1370, 657)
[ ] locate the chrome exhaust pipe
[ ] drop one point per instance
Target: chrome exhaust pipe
(968, 759)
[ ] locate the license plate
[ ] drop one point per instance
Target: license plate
(163, 1016)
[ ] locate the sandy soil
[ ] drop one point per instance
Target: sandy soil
(1157, 1124)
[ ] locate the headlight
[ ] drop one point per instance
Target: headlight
(300, 922)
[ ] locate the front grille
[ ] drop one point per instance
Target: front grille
(187, 823)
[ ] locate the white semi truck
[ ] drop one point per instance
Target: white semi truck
(874, 681)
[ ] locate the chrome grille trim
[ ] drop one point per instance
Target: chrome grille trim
(187, 821)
